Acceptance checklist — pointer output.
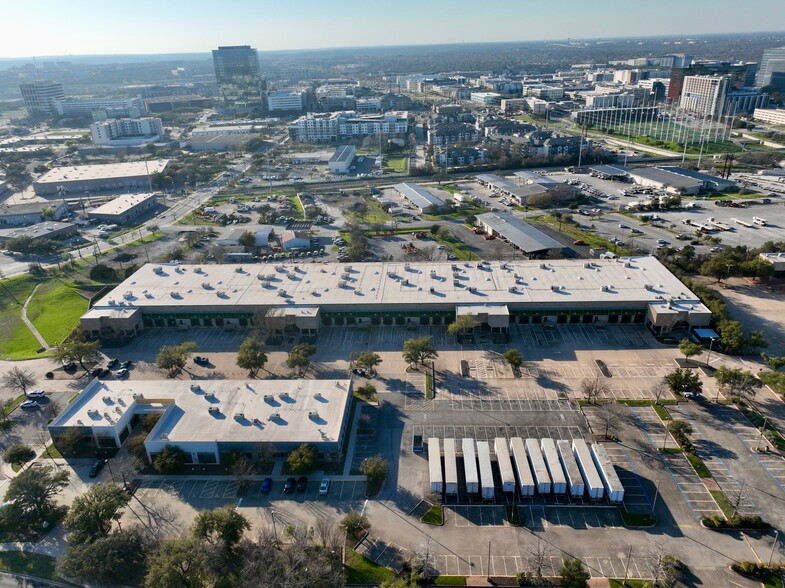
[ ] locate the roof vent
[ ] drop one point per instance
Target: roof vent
(512, 289)
(197, 270)
(138, 395)
(238, 270)
(543, 266)
(648, 287)
(274, 417)
(284, 395)
(239, 416)
(472, 289)
(195, 387)
(555, 288)
(432, 290)
(269, 398)
(158, 269)
(313, 415)
(605, 288)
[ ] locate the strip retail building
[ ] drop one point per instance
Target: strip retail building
(300, 299)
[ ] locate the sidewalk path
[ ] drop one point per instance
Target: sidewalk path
(30, 326)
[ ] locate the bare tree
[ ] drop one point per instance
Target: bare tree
(42, 438)
(658, 390)
(593, 389)
(609, 417)
(663, 567)
(422, 560)
(19, 380)
(327, 533)
(737, 497)
(538, 558)
(242, 471)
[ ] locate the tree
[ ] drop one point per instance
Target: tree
(223, 524)
(735, 382)
(34, 490)
(418, 351)
(573, 574)
(251, 356)
(682, 380)
(538, 557)
(513, 357)
(368, 360)
(326, 532)
(594, 389)
(303, 459)
(173, 358)
(247, 239)
(18, 453)
(300, 357)
(355, 524)
(731, 335)
(609, 418)
(681, 431)
(462, 324)
(374, 468)
(716, 267)
(242, 470)
(179, 563)
(755, 340)
(92, 513)
(690, 349)
(774, 363)
(78, 348)
(108, 560)
(663, 568)
(19, 380)
(170, 460)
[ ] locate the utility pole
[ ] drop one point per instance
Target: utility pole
(656, 496)
(762, 431)
(773, 545)
(627, 567)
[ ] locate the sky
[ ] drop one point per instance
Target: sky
(89, 27)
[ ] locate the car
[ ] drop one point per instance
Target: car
(267, 485)
(126, 364)
(302, 483)
(288, 486)
(621, 226)
(201, 360)
(716, 249)
(121, 373)
(104, 373)
(69, 367)
(359, 372)
(324, 486)
(689, 395)
(29, 404)
(578, 242)
(451, 257)
(96, 468)
(441, 247)
(36, 394)
(662, 242)
(7, 252)
(112, 362)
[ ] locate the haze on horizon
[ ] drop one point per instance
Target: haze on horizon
(91, 27)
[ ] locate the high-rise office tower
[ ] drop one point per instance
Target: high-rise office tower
(772, 68)
(237, 75)
(40, 96)
(705, 95)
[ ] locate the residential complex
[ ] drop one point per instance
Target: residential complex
(100, 109)
(286, 100)
(238, 78)
(330, 127)
(127, 131)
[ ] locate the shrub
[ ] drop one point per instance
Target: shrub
(18, 453)
(49, 375)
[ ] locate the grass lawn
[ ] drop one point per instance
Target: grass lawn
(13, 404)
(51, 452)
(451, 188)
(17, 341)
(615, 583)
(457, 213)
(55, 310)
(698, 465)
(450, 581)
(428, 385)
(296, 202)
(434, 516)
(396, 164)
(457, 248)
(375, 214)
(723, 502)
(662, 412)
(575, 233)
(361, 570)
(32, 564)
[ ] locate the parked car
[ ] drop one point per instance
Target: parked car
(70, 367)
(324, 486)
(201, 360)
(578, 242)
(289, 485)
(96, 468)
(112, 362)
(302, 483)
(126, 364)
(267, 485)
(36, 394)
(29, 404)
(121, 373)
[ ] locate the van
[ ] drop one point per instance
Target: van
(417, 446)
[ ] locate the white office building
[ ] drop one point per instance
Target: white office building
(287, 100)
(774, 116)
(704, 95)
(40, 96)
(101, 109)
(486, 98)
(126, 131)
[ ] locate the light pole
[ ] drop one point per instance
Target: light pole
(656, 496)
(627, 567)
(762, 431)
(773, 545)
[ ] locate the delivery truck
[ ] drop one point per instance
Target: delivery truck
(571, 470)
(558, 479)
(450, 468)
(502, 450)
(610, 479)
(591, 478)
(486, 471)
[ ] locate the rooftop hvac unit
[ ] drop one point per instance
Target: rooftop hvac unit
(627, 264)
(106, 415)
(345, 276)
(342, 284)
(318, 396)
(213, 410)
(220, 293)
(358, 292)
(164, 436)
(605, 288)
(284, 395)
(197, 270)
(239, 416)
(480, 265)
(454, 267)
(195, 387)
(79, 422)
(206, 285)
(269, 398)
(456, 284)
(257, 421)
(158, 269)
(543, 266)
(238, 270)
(313, 415)
(349, 268)
(291, 276)
(282, 293)
(433, 274)
(92, 412)
(391, 274)
(118, 410)
(128, 295)
(472, 289)
(406, 282)
(512, 289)
(274, 417)
(555, 288)
(110, 302)
(174, 294)
(138, 395)
(107, 399)
(588, 265)
(648, 287)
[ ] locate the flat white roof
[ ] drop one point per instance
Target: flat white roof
(523, 235)
(343, 153)
(104, 403)
(250, 287)
(106, 171)
(419, 196)
(122, 204)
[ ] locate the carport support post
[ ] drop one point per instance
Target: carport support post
(489, 561)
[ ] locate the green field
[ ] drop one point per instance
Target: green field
(193, 218)
(55, 310)
(31, 564)
(574, 232)
(17, 341)
(361, 570)
(396, 164)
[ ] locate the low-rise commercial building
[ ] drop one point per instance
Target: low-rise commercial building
(419, 197)
(210, 418)
(774, 116)
(42, 231)
(342, 159)
(233, 142)
(31, 213)
(123, 208)
(523, 236)
(777, 260)
(662, 179)
(520, 193)
(96, 178)
(301, 299)
(285, 100)
(100, 109)
(486, 98)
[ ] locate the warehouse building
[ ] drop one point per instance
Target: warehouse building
(421, 198)
(342, 159)
(31, 213)
(130, 175)
(123, 208)
(210, 418)
(504, 187)
(661, 179)
(301, 299)
(42, 231)
(520, 234)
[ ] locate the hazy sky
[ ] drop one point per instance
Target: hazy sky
(63, 27)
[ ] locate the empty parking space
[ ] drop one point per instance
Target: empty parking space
(538, 517)
(635, 498)
(383, 553)
(508, 565)
(416, 402)
(653, 427)
(474, 516)
(582, 336)
(207, 339)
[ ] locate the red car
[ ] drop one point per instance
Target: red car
(578, 242)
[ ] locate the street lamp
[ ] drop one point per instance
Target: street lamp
(773, 545)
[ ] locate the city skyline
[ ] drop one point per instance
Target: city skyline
(183, 27)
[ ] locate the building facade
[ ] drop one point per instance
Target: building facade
(285, 100)
(330, 127)
(100, 109)
(774, 116)
(126, 131)
(238, 78)
(705, 95)
(772, 69)
(40, 96)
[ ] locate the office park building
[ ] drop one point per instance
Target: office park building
(301, 299)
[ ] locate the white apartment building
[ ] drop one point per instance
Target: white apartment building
(329, 127)
(285, 100)
(126, 131)
(770, 115)
(130, 108)
(704, 95)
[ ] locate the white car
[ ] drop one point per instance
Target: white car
(36, 394)
(29, 404)
(324, 486)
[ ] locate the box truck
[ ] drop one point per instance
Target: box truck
(571, 470)
(591, 478)
(610, 479)
(486, 471)
(435, 464)
(522, 468)
(450, 468)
